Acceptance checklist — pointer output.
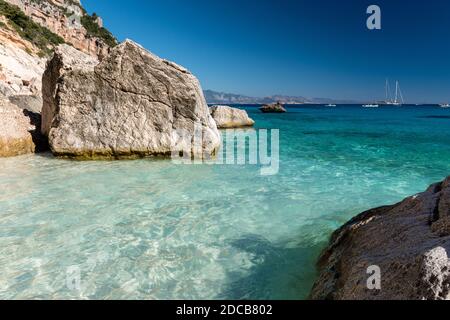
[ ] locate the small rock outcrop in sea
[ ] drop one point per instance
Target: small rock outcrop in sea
(409, 242)
(228, 117)
(15, 128)
(273, 108)
(65, 59)
(131, 104)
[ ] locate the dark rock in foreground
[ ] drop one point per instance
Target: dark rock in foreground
(408, 241)
(273, 108)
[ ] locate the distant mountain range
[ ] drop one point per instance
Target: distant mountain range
(214, 97)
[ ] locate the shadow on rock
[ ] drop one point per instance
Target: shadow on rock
(39, 140)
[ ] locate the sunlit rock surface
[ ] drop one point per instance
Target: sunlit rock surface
(131, 104)
(228, 117)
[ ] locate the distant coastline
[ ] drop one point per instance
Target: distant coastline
(311, 104)
(216, 97)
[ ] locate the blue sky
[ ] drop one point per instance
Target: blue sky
(318, 48)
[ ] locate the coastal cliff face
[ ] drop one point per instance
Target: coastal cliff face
(65, 18)
(31, 29)
(131, 104)
(21, 67)
(408, 241)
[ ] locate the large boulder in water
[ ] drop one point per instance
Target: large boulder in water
(131, 104)
(409, 242)
(228, 117)
(15, 130)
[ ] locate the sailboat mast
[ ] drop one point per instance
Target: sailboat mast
(387, 85)
(401, 94)
(389, 99)
(396, 92)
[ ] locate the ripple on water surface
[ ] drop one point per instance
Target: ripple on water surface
(155, 230)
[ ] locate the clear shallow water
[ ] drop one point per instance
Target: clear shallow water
(154, 230)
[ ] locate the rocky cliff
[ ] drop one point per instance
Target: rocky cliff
(407, 244)
(30, 29)
(69, 20)
(21, 67)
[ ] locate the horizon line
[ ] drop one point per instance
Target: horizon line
(355, 101)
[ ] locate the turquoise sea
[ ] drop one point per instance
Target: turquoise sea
(151, 229)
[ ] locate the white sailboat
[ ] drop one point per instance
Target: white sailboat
(398, 100)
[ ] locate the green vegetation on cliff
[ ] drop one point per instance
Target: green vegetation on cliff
(94, 30)
(40, 36)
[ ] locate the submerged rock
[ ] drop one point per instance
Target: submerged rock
(15, 128)
(273, 108)
(409, 242)
(131, 104)
(228, 117)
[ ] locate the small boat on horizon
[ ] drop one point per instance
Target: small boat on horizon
(370, 105)
(445, 105)
(330, 105)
